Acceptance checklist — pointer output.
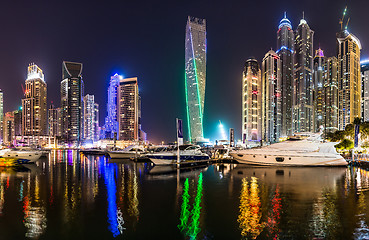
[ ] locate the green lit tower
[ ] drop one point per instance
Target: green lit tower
(195, 76)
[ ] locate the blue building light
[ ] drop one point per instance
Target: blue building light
(284, 47)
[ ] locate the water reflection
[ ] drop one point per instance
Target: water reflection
(73, 196)
(190, 220)
(250, 214)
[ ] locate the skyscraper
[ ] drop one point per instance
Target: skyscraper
(319, 75)
(34, 105)
(8, 131)
(54, 121)
(349, 78)
(195, 76)
(271, 97)
(129, 109)
(303, 79)
(111, 120)
(331, 95)
(285, 46)
(71, 102)
(365, 90)
(97, 127)
(17, 122)
(251, 102)
(89, 118)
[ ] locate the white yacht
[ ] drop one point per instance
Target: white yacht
(188, 154)
(20, 155)
(297, 151)
(133, 151)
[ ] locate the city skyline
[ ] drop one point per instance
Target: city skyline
(220, 104)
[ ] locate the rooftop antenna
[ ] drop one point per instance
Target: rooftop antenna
(348, 20)
(343, 17)
(303, 15)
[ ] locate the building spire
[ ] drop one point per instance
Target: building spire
(285, 15)
(303, 15)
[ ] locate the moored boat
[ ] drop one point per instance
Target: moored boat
(189, 154)
(133, 151)
(20, 155)
(309, 151)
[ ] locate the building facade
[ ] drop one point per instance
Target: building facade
(319, 75)
(8, 129)
(285, 46)
(34, 104)
(365, 90)
(195, 76)
(129, 109)
(72, 90)
(251, 102)
(349, 78)
(111, 120)
(330, 93)
(90, 123)
(17, 122)
(54, 121)
(303, 120)
(271, 97)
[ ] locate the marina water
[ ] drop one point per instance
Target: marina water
(72, 196)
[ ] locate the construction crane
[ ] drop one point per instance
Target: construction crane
(343, 18)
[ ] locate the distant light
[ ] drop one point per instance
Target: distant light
(223, 134)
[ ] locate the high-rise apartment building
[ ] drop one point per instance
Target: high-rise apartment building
(34, 104)
(54, 121)
(285, 46)
(303, 120)
(97, 127)
(72, 89)
(111, 120)
(349, 78)
(251, 102)
(17, 122)
(330, 94)
(8, 129)
(365, 90)
(271, 97)
(129, 109)
(319, 75)
(195, 76)
(89, 118)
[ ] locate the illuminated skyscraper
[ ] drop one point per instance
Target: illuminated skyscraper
(111, 120)
(251, 102)
(330, 94)
(8, 131)
(319, 75)
(97, 127)
(365, 90)
(285, 46)
(303, 79)
(34, 105)
(71, 102)
(54, 121)
(18, 122)
(89, 118)
(271, 97)
(349, 78)
(195, 76)
(129, 109)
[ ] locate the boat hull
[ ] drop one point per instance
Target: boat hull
(172, 159)
(289, 160)
(117, 154)
(22, 157)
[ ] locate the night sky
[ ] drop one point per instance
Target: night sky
(146, 39)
